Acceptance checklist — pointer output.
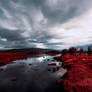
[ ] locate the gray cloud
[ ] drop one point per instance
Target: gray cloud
(11, 35)
(22, 21)
(57, 10)
(63, 10)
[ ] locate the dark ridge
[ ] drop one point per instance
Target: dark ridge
(28, 50)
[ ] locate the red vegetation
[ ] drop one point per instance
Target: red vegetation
(52, 64)
(78, 79)
(6, 58)
(30, 64)
(52, 52)
(79, 72)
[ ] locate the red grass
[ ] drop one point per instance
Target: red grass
(79, 73)
(7, 58)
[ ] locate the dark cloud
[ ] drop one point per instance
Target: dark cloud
(62, 10)
(34, 18)
(14, 39)
(58, 10)
(11, 35)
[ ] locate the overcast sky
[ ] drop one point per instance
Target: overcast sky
(56, 24)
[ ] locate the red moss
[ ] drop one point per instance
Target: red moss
(30, 64)
(79, 73)
(7, 58)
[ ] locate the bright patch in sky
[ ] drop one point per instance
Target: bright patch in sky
(76, 32)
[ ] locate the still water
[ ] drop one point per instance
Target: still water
(30, 75)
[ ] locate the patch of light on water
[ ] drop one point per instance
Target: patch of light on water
(31, 60)
(44, 59)
(40, 59)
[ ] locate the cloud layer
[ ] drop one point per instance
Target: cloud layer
(54, 24)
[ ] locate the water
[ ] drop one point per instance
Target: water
(31, 75)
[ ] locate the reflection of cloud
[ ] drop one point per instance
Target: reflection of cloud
(57, 24)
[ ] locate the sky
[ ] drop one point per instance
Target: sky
(51, 24)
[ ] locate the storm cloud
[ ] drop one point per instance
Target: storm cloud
(31, 23)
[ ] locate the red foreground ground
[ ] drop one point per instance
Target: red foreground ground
(6, 58)
(79, 73)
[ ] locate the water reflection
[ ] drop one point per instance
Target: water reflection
(39, 61)
(32, 74)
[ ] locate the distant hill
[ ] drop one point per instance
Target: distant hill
(27, 50)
